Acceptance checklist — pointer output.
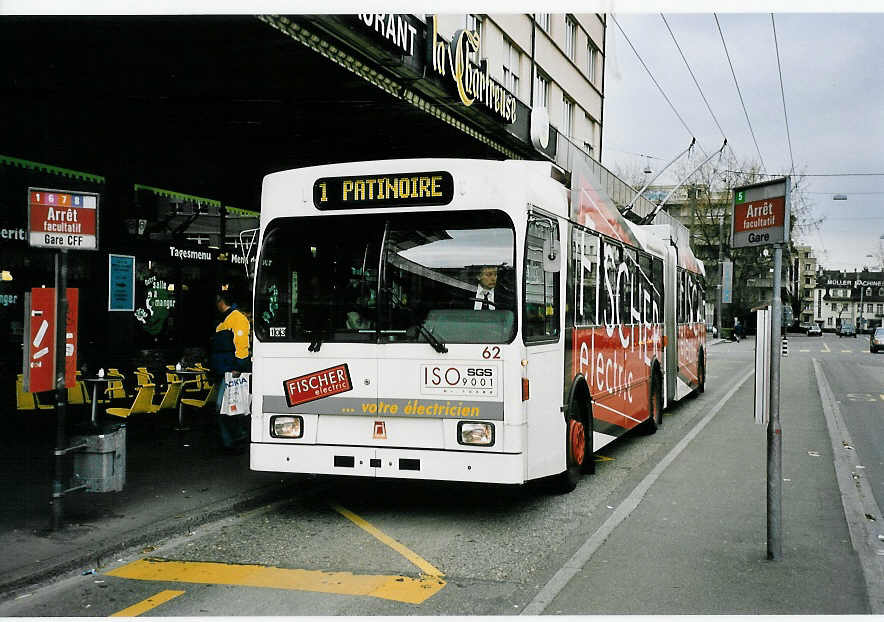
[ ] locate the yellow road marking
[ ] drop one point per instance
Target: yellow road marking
(826, 346)
(147, 604)
(848, 351)
(389, 587)
(804, 350)
(425, 566)
(600, 458)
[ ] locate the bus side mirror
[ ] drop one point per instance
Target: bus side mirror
(551, 250)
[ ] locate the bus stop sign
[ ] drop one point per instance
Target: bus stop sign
(761, 214)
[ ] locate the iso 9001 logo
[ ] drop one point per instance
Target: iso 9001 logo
(460, 379)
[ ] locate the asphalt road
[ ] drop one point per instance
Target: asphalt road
(857, 380)
(386, 547)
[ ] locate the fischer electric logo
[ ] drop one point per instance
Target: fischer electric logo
(317, 385)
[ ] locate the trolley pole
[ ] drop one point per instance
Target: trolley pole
(61, 312)
(774, 431)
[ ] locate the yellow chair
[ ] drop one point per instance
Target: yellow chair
(143, 403)
(170, 397)
(210, 397)
(25, 400)
(142, 376)
(115, 388)
(78, 394)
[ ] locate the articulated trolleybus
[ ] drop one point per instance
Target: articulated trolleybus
(462, 320)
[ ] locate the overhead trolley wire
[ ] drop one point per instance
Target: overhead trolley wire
(705, 101)
(782, 91)
(740, 94)
(657, 84)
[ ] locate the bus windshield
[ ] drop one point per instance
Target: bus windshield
(388, 278)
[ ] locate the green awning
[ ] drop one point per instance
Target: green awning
(48, 168)
(177, 195)
(237, 211)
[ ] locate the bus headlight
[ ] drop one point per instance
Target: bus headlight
(479, 433)
(286, 426)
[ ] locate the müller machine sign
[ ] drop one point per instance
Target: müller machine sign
(761, 214)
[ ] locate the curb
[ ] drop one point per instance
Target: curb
(172, 526)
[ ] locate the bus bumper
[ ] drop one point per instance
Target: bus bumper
(458, 466)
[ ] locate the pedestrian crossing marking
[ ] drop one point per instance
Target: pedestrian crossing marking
(389, 587)
(804, 350)
(147, 604)
(847, 351)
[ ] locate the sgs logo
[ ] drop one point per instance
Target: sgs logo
(479, 372)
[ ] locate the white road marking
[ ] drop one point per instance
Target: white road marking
(563, 576)
(856, 497)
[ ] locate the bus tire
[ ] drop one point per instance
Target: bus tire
(578, 450)
(701, 372)
(655, 405)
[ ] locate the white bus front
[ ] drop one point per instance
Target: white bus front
(385, 340)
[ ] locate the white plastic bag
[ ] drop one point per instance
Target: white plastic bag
(237, 394)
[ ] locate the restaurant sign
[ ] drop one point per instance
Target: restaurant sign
(761, 214)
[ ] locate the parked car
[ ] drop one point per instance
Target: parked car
(805, 326)
(876, 340)
(815, 331)
(846, 330)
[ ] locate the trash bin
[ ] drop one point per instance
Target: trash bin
(101, 465)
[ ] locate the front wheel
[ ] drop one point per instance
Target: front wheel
(578, 452)
(701, 374)
(655, 406)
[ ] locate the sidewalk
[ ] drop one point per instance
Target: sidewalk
(696, 543)
(174, 481)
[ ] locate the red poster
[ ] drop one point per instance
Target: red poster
(71, 352)
(41, 341)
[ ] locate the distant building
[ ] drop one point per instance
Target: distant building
(856, 297)
(804, 268)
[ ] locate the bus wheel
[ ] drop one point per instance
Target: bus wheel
(577, 453)
(701, 373)
(655, 407)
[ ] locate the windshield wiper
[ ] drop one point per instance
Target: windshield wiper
(434, 341)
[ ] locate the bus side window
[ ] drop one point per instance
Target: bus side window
(626, 280)
(541, 288)
(585, 276)
(657, 280)
(609, 305)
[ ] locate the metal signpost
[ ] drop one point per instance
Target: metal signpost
(62, 220)
(761, 216)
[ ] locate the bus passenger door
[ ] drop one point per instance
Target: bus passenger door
(542, 303)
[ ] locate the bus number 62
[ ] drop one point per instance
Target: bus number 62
(491, 352)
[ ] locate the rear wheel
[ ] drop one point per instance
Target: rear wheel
(578, 450)
(701, 373)
(655, 406)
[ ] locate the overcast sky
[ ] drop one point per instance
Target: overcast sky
(833, 76)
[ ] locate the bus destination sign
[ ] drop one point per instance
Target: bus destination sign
(395, 190)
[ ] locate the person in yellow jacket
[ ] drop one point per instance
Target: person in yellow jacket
(229, 352)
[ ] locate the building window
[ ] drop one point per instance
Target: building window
(807, 267)
(807, 280)
(880, 308)
(567, 116)
(828, 321)
(541, 91)
(570, 37)
(474, 23)
(591, 53)
(881, 291)
(542, 20)
(869, 308)
(511, 61)
(868, 291)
